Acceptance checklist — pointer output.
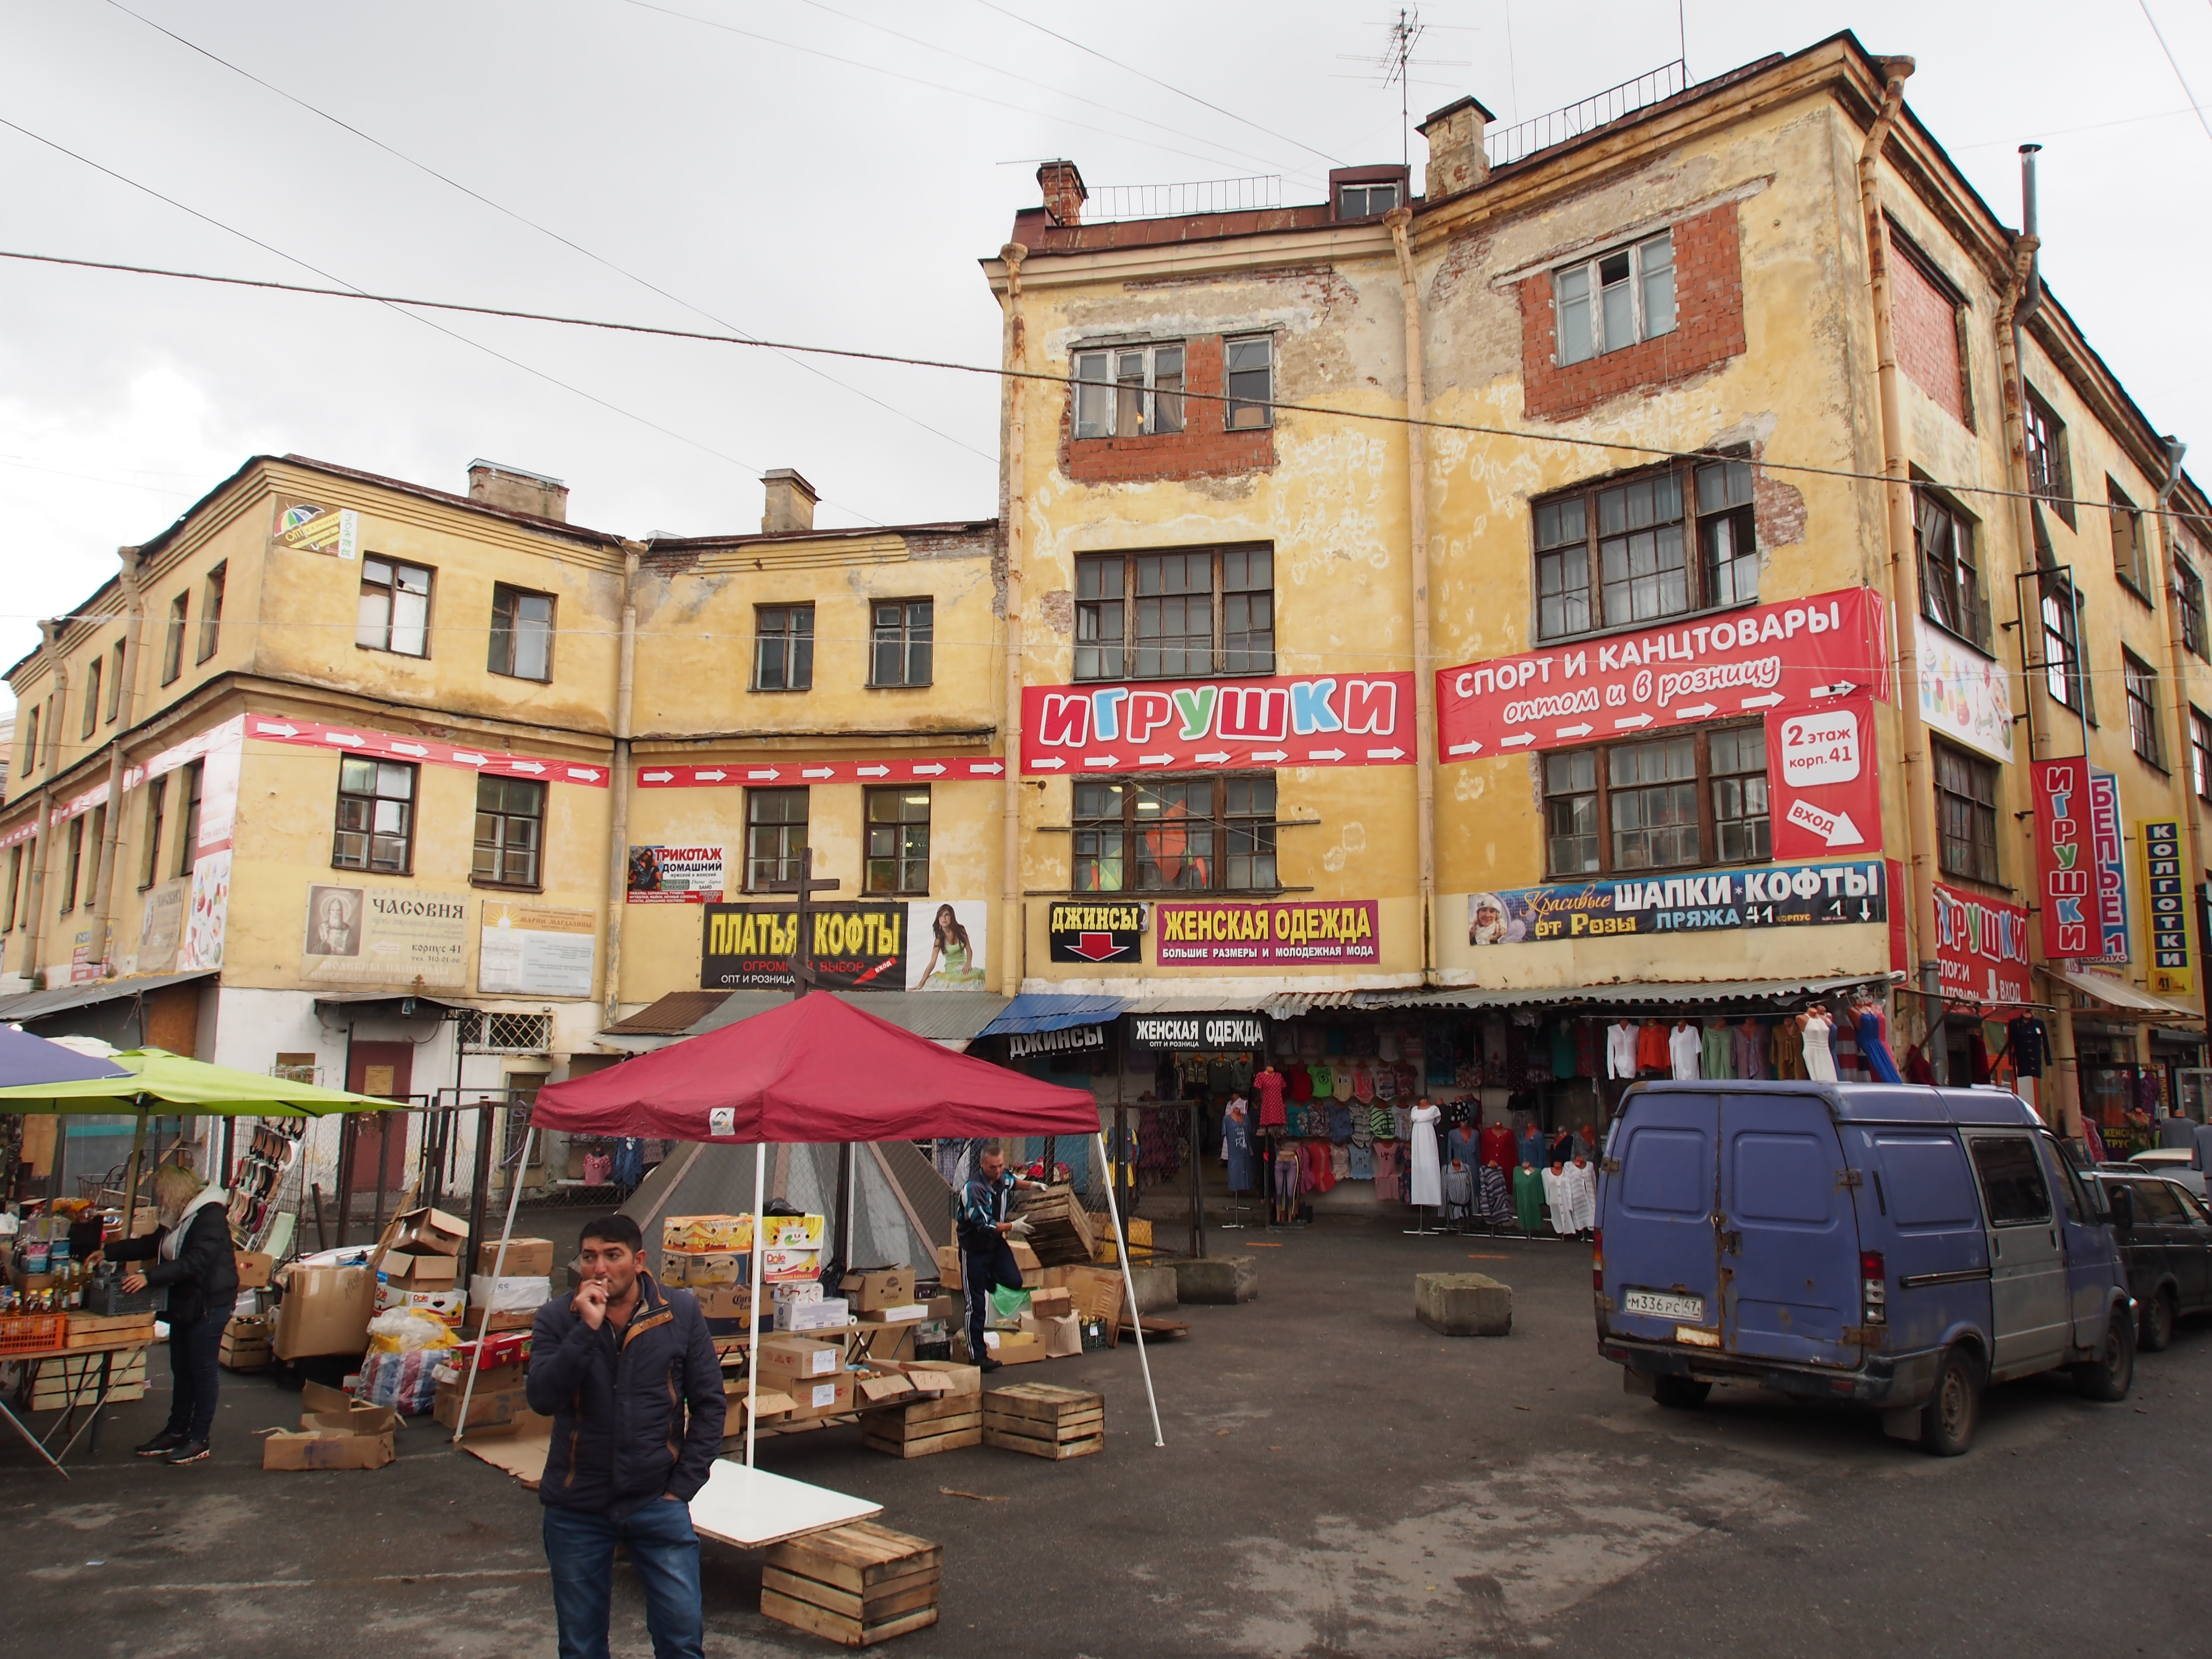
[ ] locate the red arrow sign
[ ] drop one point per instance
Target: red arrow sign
(1096, 947)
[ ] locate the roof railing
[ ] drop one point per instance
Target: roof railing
(1107, 203)
(1506, 145)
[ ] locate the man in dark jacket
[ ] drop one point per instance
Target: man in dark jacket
(190, 1256)
(986, 1259)
(629, 1376)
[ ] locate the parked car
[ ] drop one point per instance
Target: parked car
(2164, 1234)
(2173, 1163)
(1892, 1247)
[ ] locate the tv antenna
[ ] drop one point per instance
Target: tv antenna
(1396, 66)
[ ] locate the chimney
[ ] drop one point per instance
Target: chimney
(790, 503)
(1064, 194)
(1456, 162)
(513, 490)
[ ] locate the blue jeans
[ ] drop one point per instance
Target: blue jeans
(663, 1553)
(194, 1375)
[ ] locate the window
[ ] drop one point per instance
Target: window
(1966, 814)
(1618, 554)
(173, 649)
(1251, 376)
(783, 647)
(2154, 1204)
(395, 608)
(1616, 299)
(2065, 669)
(14, 886)
(115, 682)
(188, 825)
(1181, 604)
(900, 643)
(1129, 391)
(1359, 201)
(775, 835)
(30, 741)
(510, 831)
(2190, 595)
(211, 611)
(2200, 753)
(1660, 805)
(2048, 474)
(75, 865)
(157, 801)
(2012, 1180)
(899, 842)
(92, 677)
(376, 817)
(2142, 682)
(521, 634)
(2130, 550)
(1950, 573)
(1164, 835)
(96, 840)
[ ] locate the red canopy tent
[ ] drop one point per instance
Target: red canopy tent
(815, 1070)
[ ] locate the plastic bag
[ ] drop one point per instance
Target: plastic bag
(407, 1382)
(1009, 1304)
(406, 1330)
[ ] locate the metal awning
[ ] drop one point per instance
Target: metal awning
(672, 1015)
(356, 998)
(36, 1005)
(1043, 1012)
(1630, 993)
(2127, 999)
(1255, 1002)
(940, 1016)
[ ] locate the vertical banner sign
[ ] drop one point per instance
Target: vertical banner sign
(2166, 910)
(2061, 856)
(2108, 850)
(1826, 799)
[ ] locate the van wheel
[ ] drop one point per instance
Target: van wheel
(2110, 1378)
(1680, 1393)
(2157, 1322)
(1947, 1420)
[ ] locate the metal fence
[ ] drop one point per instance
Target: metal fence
(1106, 203)
(1505, 145)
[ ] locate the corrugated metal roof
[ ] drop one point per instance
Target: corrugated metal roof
(672, 1015)
(36, 1005)
(1626, 994)
(940, 1016)
(1254, 1003)
(1043, 1012)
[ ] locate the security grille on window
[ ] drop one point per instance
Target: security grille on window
(1164, 835)
(1663, 804)
(2065, 671)
(1966, 814)
(521, 634)
(1359, 201)
(2191, 597)
(1616, 299)
(510, 831)
(1129, 391)
(783, 649)
(2048, 472)
(902, 645)
(376, 817)
(2142, 681)
(1250, 365)
(1950, 572)
(899, 842)
(1616, 554)
(498, 1033)
(395, 608)
(2200, 753)
(775, 835)
(173, 649)
(1159, 616)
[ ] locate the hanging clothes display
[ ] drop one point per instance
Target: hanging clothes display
(2029, 1043)
(1718, 1059)
(1819, 1058)
(1532, 1147)
(1874, 1049)
(1652, 1054)
(1687, 1048)
(1497, 1202)
(1788, 1049)
(1426, 1185)
(1750, 1039)
(1268, 1087)
(1496, 1144)
(1459, 1193)
(1557, 1202)
(1390, 1172)
(1236, 1145)
(1620, 1050)
(1578, 1186)
(1290, 1181)
(1528, 1198)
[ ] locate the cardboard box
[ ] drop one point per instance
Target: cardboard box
(1063, 1336)
(882, 1389)
(526, 1258)
(724, 1302)
(1050, 1303)
(475, 1321)
(793, 1232)
(694, 1269)
(427, 1270)
(431, 1232)
(510, 1294)
(445, 1305)
(780, 1263)
(792, 1360)
(819, 1396)
(455, 1372)
(958, 1379)
(707, 1232)
(889, 1343)
(1015, 1347)
(884, 1287)
(797, 1290)
(324, 1310)
(336, 1433)
(487, 1406)
(254, 1269)
(827, 1314)
(912, 1314)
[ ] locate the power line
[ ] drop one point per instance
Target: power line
(1029, 22)
(1617, 446)
(522, 219)
(2176, 64)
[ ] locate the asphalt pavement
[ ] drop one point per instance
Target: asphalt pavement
(1337, 1479)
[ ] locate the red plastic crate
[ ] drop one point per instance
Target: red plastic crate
(31, 1333)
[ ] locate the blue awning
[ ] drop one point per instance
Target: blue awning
(1044, 1012)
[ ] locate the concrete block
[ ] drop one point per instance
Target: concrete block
(1156, 1288)
(1216, 1279)
(1463, 1304)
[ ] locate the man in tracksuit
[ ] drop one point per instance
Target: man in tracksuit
(986, 1259)
(629, 1376)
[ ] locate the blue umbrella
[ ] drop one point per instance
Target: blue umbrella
(25, 1059)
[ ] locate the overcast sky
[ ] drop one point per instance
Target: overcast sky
(826, 171)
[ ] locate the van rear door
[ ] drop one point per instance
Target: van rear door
(1658, 1218)
(1789, 1239)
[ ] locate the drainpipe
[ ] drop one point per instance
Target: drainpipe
(2177, 653)
(50, 739)
(618, 831)
(1417, 528)
(126, 711)
(1903, 559)
(1017, 357)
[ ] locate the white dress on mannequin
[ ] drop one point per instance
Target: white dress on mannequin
(1819, 1058)
(1428, 1180)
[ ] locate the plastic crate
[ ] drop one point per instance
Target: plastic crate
(31, 1333)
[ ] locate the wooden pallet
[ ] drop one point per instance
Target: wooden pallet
(856, 1584)
(105, 1331)
(924, 1426)
(1061, 1235)
(1044, 1421)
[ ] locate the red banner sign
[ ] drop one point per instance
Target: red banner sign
(1216, 935)
(1323, 719)
(2063, 862)
(1784, 656)
(1982, 945)
(793, 769)
(1826, 796)
(422, 752)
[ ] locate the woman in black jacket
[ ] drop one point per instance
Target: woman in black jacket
(192, 1258)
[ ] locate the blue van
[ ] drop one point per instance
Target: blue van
(1895, 1248)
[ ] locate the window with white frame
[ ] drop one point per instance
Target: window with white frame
(1129, 391)
(1616, 299)
(2141, 680)
(1359, 201)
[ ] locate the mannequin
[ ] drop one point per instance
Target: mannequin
(1578, 1180)
(1686, 1047)
(1819, 1058)
(1529, 1197)
(1874, 1043)
(1620, 1050)
(1558, 1200)
(1237, 1143)
(1532, 1148)
(1269, 1087)
(1750, 1049)
(1425, 1187)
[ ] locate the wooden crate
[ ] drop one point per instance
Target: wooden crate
(856, 1584)
(917, 1430)
(1062, 1235)
(58, 1382)
(1044, 1421)
(105, 1331)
